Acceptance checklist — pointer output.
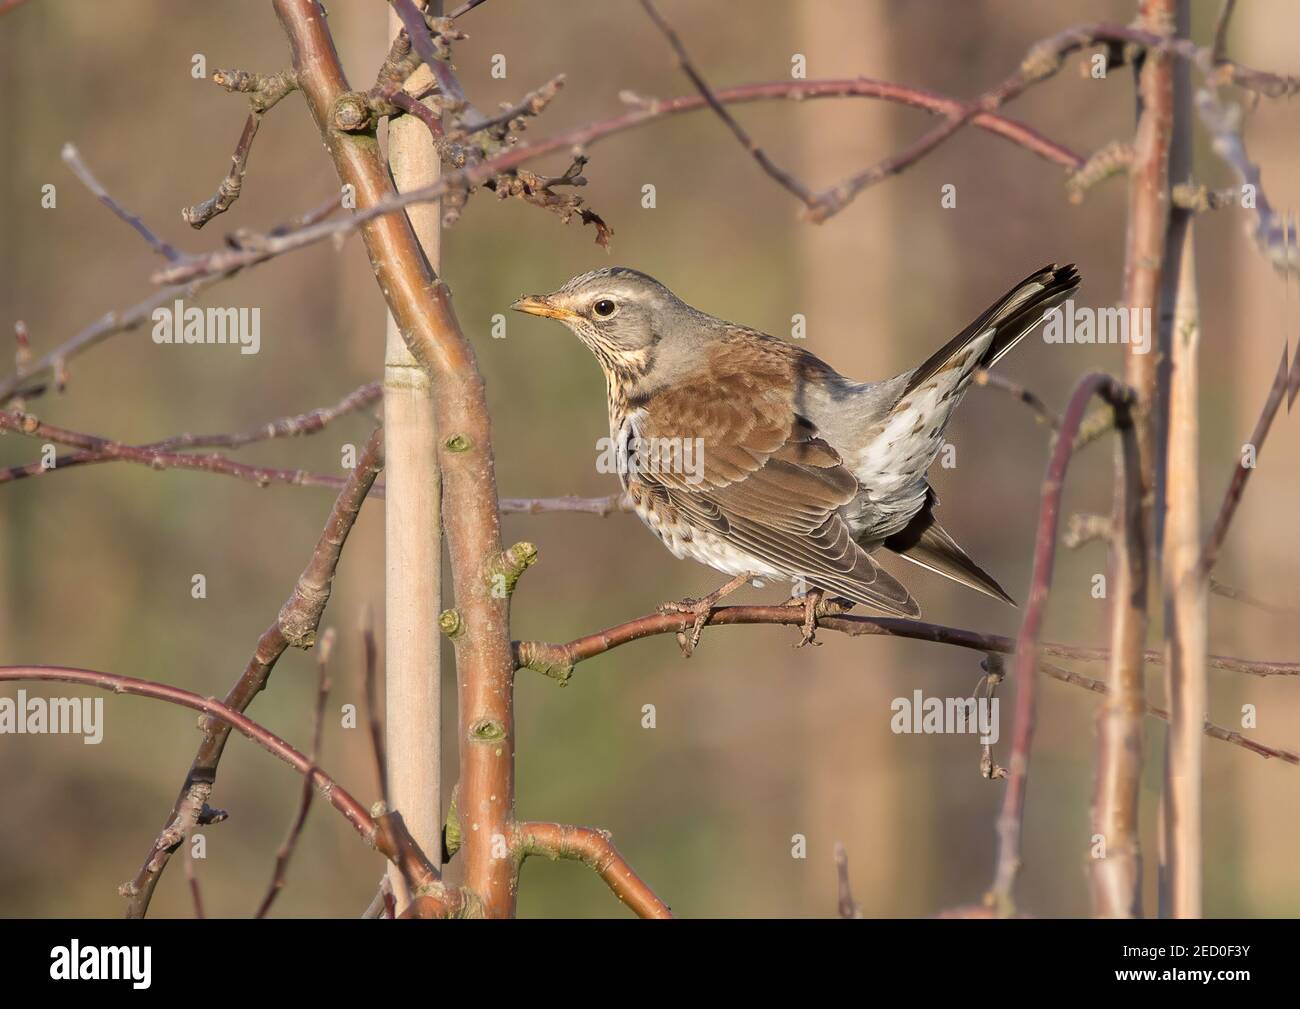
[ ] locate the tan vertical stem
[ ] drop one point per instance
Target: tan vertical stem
(412, 535)
(1185, 610)
(1116, 870)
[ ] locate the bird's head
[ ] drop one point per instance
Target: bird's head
(619, 313)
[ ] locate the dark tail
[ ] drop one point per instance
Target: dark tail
(1013, 318)
(926, 543)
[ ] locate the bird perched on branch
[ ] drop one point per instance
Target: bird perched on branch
(758, 459)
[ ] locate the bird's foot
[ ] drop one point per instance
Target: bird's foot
(810, 601)
(701, 609)
(815, 604)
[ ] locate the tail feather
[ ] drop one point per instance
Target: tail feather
(1011, 319)
(926, 543)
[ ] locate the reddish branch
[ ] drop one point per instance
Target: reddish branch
(226, 260)
(557, 660)
(421, 306)
(389, 838)
(163, 454)
(295, 625)
(595, 849)
(98, 449)
(1241, 474)
(286, 849)
(1011, 820)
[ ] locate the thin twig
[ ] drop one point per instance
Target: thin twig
(1246, 599)
(103, 449)
(285, 853)
(226, 260)
(72, 158)
(1042, 412)
(1211, 729)
(1010, 824)
(1241, 474)
(846, 905)
(370, 690)
(1219, 48)
(782, 177)
(294, 625)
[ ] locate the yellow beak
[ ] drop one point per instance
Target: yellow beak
(539, 304)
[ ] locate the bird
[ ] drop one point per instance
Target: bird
(755, 457)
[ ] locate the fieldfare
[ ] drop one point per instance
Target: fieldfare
(758, 459)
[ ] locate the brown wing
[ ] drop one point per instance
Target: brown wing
(763, 480)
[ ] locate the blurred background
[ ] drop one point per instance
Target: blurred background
(754, 742)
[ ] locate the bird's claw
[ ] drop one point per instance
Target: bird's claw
(810, 602)
(700, 609)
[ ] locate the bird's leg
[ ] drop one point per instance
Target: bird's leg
(701, 608)
(811, 600)
(816, 603)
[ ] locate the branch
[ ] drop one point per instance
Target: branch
(282, 427)
(286, 849)
(72, 158)
(295, 624)
(1241, 474)
(1225, 125)
(1011, 820)
(847, 906)
(116, 321)
(226, 260)
(98, 449)
(782, 177)
(421, 307)
(601, 506)
(327, 787)
(1247, 599)
(1211, 729)
(595, 849)
(558, 660)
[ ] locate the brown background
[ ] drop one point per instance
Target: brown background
(755, 742)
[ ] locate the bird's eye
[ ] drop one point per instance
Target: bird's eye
(604, 308)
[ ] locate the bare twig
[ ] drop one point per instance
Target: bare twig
(327, 787)
(1247, 599)
(780, 175)
(1010, 824)
(1211, 729)
(286, 850)
(109, 324)
(227, 260)
(370, 690)
(1246, 463)
(294, 625)
(191, 875)
(103, 449)
(558, 660)
(595, 849)
(1042, 412)
(1219, 48)
(847, 906)
(233, 182)
(72, 158)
